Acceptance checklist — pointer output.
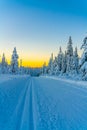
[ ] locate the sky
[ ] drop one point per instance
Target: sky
(39, 27)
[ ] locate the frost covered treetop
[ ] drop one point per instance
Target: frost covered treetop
(15, 53)
(84, 45)
(69, 47)
(70, 40)
(60, 50)
(3, 58)
(75, 52)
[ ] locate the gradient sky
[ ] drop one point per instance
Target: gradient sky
(38, 27)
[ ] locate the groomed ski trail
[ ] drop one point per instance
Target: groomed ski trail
(41, 103)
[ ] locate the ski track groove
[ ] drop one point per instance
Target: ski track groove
(31, 116)
(14, 124)
(27, 110)
(23, 107)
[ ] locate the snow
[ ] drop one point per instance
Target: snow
(42, 103)
(6, 77)
(67, 80)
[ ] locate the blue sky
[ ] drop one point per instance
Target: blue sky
(39, 27)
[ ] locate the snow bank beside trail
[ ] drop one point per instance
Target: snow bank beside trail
(4, 78)
(71, 81)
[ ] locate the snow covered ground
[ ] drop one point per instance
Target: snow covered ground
(6, 77)
(42, 103)
(67, 80)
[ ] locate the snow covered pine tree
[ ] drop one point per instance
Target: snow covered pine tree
(3, 65)
(60, 60)
(75, 62)
(64, 63)
(14, 62)
(44, 69)
(50, 65)
(83, 60)
(69, 56)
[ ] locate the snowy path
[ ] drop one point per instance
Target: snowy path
(42, 104)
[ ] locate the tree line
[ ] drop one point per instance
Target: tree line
(13, 67)
(68, 63)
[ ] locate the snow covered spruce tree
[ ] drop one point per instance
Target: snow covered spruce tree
(50, 65)
(69, 56)
(60, 60)
(64, 63)
(4, 66)
(75, 62)
(44, 69)
(83, 60)
(14, 62)
(21, 69)
(55, 66)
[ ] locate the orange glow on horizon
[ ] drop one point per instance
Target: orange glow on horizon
(32, 64)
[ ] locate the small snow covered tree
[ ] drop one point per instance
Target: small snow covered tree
(55, 66)
(60, 59)
(83, 60)
(21, 69)
(64, 63)
(44, 69)
(75, 61)
(3, 65)
(50, 65)
(14, 62)
(69, 56)
(69, 47)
